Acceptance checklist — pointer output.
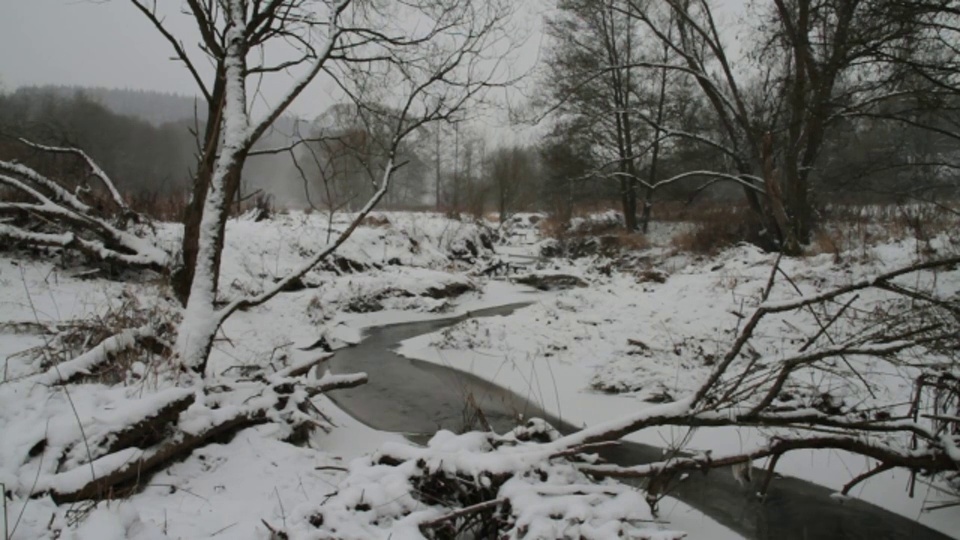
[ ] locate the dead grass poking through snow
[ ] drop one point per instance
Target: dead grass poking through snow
(130, 366)
(376, 221)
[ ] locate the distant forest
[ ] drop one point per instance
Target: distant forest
(157, 108)
(143, 139)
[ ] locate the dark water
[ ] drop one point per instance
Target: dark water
(418, 398)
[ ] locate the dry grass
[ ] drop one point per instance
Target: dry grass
(849, 227)
(161, 207)
(553, 227)
(601, 234)
(376, 221)
(715, 228)
(827, 241)
(632, 241)
(78, 337)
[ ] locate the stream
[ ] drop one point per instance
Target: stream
(418, 398)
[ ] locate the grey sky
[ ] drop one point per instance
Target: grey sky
(108, 43)
(85, 43)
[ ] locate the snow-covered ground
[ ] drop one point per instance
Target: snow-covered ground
(570, 351)
(625, 341)
(407, 262)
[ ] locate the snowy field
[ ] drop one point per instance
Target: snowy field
(587, 354)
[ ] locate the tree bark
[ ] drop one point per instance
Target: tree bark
(199, 325)
(182, 278)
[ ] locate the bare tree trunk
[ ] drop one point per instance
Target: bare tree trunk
(790, 244)
(183, 276)
(655, 159)
(456, 171)
(630, 210)
(196, 332)
(437, 165)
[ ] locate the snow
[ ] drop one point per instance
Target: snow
(97, 355)
(548, 499)
(589, 355)
(636, 339)
(226, 488)
(74, 479)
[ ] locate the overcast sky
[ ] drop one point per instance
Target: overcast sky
(108, 43)
(85, 43)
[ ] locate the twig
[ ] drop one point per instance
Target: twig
(579, 449)
(771, 472)
(220, 530)
(465, 511)
(25, 502)
(283, 513)
(6, 522)
(823, 331)
(86, 443)
(865, 475)
(772, 278)
(828, 324)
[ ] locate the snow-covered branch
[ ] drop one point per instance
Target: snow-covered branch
(95, 170)
(62, 219)
(747, 389)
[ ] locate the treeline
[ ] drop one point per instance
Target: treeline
(155, 107)
(152, 163)
(142, 158)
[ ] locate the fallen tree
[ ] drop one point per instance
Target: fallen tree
(115, 457)
(40, 210)
(911, 333)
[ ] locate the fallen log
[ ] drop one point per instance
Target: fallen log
(128, 476)
(150, 430)
(71, 370)
(125, 470)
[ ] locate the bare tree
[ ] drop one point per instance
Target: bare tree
(398, 79)
(512, 174)
(430, 73)
(813, 60)
(773, 107)
(588, 77)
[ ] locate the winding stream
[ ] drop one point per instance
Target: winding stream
(417, 398)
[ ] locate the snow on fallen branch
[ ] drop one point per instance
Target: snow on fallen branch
(916, 339)
(95, 170)
(123, 472)
(86, 363)
(476, 485)
(152, 435)
(300, 368)
(888, 455)
(61, 219)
